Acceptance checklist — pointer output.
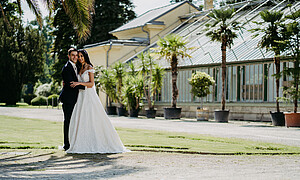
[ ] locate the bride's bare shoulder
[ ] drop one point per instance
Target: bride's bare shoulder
(90, 67)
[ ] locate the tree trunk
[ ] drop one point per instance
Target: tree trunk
(277, 67)
(296, 82)
(223, 48)
(149, 89)
(174, 63)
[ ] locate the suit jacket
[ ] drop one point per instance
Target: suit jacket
(68, 94)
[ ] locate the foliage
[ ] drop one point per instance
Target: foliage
(201, 82)
(65, 37)
(118, 70)
(78, 11)
(157, 80)
(21, 49)
(109, 15)
(46, 89)
(291, 34)
(270, 28)
(46, 30)
(172, 47)
(28, 98)
(55, 99)
(223, 31)
(132, 91)
(105, 80)
(40, 100)
(152, 76)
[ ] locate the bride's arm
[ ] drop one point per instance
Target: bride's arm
(89, 84)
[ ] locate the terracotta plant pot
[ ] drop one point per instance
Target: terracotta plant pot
(292, 119)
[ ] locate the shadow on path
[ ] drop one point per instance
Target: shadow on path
(64, 166)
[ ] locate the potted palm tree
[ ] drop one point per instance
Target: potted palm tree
(223, 31)
(152, 76)
(119, 72)
(106, 82)
(133, 91)
(200, 82)
(172, 47)
(291, 33)
(270, 27)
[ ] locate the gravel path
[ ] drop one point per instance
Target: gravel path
(139, 165)
(48, 164)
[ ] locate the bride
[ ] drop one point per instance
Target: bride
(90, 128)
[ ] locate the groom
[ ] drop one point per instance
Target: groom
(68, 95)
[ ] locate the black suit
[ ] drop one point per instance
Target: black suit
(68, 97)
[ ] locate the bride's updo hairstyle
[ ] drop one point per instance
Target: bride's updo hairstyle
(86, 56)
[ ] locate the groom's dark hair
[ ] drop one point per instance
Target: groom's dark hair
(71, 50)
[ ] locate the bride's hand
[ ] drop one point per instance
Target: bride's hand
(74, 84)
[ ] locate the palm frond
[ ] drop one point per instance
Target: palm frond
(79, 12)
(34, 6)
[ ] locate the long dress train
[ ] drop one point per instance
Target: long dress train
(91, 130)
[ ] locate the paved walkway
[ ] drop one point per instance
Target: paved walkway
(259, 131)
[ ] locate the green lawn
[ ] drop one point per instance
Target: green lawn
(20, 133)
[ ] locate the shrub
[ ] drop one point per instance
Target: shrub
(40, 100)
(55, 98)
(46, 89)
(28, 98)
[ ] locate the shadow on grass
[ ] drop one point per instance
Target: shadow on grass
(65, 166)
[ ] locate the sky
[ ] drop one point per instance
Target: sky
(141, 6)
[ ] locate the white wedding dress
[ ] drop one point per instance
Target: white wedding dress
(90, 128)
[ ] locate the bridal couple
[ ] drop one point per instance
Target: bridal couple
(87, 128)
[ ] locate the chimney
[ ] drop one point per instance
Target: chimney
(208, 4)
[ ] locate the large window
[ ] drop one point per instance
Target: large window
(244, 83)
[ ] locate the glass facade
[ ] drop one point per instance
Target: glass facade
(244, 83)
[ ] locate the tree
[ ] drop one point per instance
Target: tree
(223, 31)
(201, 82)
(172, 47)
(270, 27)
(119, 72)
(21, 54)
(46, 32)
(109, 15)
(291, 34)
(79, 12)
(152, 76)
(65, 37)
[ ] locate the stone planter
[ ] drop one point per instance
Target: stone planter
(150, 113)
(277, 118)
(172, 113)
(222, 116)
(202, 114)
(122, 111)
(292, 119)
(111, 110)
